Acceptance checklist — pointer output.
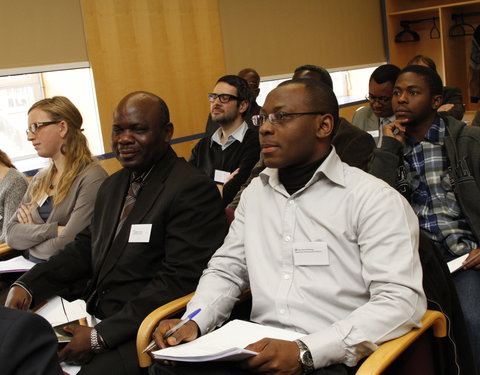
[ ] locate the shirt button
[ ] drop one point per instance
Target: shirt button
(288, 238)
(286, 276)
(291, 202)
(282, 311)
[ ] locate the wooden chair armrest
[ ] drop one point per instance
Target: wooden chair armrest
(145, 331)
(5, 249)
(381, 358)
(148, 325)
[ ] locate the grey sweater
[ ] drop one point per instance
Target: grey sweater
(12, 188)
(74, 213)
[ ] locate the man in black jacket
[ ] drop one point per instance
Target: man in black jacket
(155, 225)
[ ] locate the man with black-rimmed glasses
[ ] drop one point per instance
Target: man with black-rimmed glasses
(326, 249)
(228, 155)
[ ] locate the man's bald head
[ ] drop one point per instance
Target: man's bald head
(141, 130)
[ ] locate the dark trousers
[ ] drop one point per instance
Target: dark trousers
(229, 368)
(119, 361)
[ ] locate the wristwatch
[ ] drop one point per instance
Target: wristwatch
(305, 357)
(96, 341)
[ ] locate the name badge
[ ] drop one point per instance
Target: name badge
(140, 233)
(310, 254)
(220, 176)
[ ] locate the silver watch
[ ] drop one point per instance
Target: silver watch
(305, 357)
(96, 341)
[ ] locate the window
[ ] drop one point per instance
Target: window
(350, 84)
(19, 92)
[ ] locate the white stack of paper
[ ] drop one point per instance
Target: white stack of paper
(456, 264)
(225, 343)
(59, 311)
(17, 264)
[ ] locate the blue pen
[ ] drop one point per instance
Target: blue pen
(171, 331)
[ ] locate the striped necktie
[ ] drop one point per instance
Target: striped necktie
(130, 199)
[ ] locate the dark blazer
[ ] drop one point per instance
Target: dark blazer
(453, 95)
(208, 157)
(126, 281)
(353, 145)
(28, 345)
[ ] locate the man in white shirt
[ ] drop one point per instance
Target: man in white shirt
(380, 112)
(327, 250)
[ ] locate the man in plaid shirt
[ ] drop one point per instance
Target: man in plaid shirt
(434, 162)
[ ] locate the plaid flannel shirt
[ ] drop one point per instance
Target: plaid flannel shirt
(433, 198)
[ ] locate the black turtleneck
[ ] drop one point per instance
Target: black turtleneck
(294, 178)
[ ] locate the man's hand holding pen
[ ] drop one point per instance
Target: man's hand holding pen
(168, 328)
(187, 332)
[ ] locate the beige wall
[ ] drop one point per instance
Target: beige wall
(171, 48)
(179, 48)
(276, 36)
(41, 32)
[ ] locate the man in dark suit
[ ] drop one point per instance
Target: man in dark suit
(136, 255)
(28, 345)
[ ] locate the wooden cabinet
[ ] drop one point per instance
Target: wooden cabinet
(450, 53)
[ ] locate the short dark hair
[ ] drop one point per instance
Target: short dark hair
(248, 70)
(320, 97)
(423, 59)
(324, 74)
(243, 91)
(431, 77)
(385, 73)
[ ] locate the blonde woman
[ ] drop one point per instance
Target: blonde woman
(59, 201)
(12, 188)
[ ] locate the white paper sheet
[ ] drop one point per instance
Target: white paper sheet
(17, 264)
(225, 343)
(70, 369)
(456, 264)
(59, 311)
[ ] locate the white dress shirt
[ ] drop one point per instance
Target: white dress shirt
(237, 135)
(382, 121)
(369, 290)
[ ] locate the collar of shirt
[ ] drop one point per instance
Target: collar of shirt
(237, 135)
(140, 178)
(386, 120)
(434, 135)
(329, 168)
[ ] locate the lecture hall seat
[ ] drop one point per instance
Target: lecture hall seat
(418, 360)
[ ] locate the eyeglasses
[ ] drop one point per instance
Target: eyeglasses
(279, 118)
(33, 128)
(224, 98)
(381, 99)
